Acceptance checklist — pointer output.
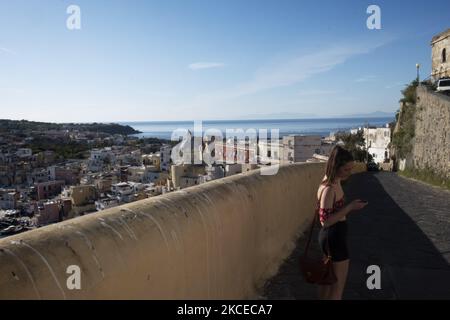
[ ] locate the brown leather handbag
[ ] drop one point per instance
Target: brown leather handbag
(317, 271)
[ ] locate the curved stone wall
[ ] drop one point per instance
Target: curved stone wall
(219, 240)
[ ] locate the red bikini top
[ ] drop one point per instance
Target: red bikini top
(324, 213)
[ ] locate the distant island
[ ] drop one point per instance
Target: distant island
(296, 115)
(376, 114)
(25, 125)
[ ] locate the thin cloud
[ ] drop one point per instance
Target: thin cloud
(366, 78)
(308, 93)
(7, 51)
(205, 65)
(289, 72)
(398, 84)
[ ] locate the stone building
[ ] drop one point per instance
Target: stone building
(46, 190)
(440, 55)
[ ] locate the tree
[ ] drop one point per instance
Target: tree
(402, 139)
(409, 93)
(355, 143)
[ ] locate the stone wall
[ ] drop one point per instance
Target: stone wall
(431, 147)
(219, 240)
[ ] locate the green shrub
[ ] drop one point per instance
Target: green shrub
(409, 93)
(402, 139)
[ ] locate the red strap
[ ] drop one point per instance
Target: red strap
(316, 214)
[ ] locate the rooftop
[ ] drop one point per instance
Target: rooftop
(440, 36)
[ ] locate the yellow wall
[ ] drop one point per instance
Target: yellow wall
(359, 167)
(178, 171)
(219, 240)
(81, 194)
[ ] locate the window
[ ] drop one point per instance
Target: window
(444, 55)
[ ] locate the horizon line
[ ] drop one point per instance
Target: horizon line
(211, 120)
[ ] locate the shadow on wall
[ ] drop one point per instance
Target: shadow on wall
(359, 167)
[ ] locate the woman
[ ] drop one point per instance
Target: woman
(333, 213)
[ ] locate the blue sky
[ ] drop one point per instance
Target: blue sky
(184, 60)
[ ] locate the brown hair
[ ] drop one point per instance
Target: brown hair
(339, 157)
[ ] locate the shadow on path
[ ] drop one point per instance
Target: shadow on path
(405, 230)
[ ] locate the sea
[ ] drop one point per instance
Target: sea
(323, 127)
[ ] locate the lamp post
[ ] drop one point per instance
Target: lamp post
(417, 67)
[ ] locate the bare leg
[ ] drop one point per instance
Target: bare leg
(324, 292)
(340, 270)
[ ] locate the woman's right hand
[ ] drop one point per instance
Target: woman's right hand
(357, 204)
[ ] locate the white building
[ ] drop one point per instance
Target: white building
(299, 148)
(127, 191)
(101, 154)
(377, 142)
(288, 149)
(132, 158)
(270, 151)
(143, 174)
(99, 158)
(106, 203)
(24, 153)
(165, 153)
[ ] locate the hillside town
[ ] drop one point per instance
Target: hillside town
(41, 188)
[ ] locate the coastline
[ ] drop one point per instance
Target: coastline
(315, 126)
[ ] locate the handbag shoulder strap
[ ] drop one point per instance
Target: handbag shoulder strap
(316, 214)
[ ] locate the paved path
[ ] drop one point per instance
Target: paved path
(405, 230)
